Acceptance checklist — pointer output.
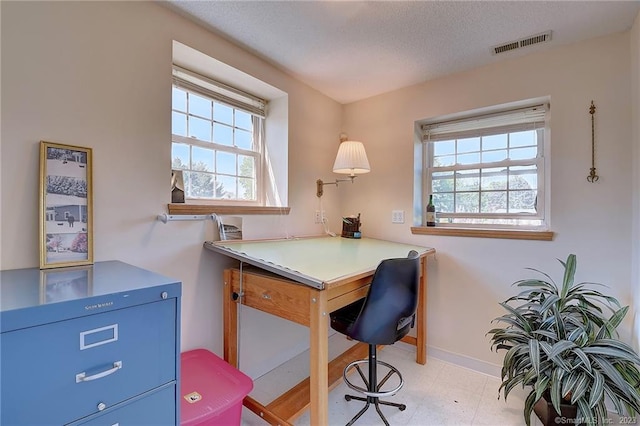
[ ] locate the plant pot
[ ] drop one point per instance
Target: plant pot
(549, 416)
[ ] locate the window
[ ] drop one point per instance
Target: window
(487, 171)
(218, 139)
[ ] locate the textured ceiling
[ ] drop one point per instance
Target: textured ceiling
(352, 50)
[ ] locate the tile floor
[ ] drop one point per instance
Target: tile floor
(437, 393)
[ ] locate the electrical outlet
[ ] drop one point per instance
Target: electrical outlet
(319, 216)
(397, 216)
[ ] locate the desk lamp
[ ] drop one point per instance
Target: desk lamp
(351, 160)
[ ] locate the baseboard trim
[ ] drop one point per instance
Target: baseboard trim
(474, 364)
(266, 365)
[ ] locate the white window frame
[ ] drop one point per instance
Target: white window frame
(220, 93)
(498, 121)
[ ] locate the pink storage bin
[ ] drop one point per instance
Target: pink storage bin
(211, 390)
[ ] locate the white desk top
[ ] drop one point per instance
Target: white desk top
(315, 261)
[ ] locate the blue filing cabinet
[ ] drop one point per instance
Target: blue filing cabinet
(91, 345)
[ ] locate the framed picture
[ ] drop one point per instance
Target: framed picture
(57, 285)
(66, 206)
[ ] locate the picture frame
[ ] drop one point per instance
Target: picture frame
(66, 205)
(58, 285)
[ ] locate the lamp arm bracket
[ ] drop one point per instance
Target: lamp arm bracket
(320, 183)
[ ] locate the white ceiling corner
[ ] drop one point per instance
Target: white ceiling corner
(351, 50)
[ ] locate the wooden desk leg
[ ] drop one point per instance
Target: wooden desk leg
(230, 322)
(319, 358)
(421, 330)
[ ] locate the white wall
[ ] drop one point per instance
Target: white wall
(635, 122)
(471, 275)
(98, 74)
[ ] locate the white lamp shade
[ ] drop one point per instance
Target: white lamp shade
(351, 159)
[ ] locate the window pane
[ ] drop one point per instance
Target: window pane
(186, 179)
(228, 185)
(443, 202)
(444, 148)
(494, 142)
(218, 189)
(467, 202)
(202, 159)
(469, 145)
(200, 184)
(199, 106)
(247, 189)
(522, 201)
(222, 134)
(178, 124)
(468, 180)
(493, 156)
(526, 138)
(223, 114)
(244, 139)
(179, 99)
(442, 182)
(469, 158)
(523, 153)
(523, 178)
(200, 129)
(225, 163)
(493, 179)
(494, 202)
(243, 120)
(179, 156)
(449, 160)
(247, 166)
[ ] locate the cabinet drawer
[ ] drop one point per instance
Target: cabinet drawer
(157, 408)
(62, 371)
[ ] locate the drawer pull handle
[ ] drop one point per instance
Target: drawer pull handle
(82, 377)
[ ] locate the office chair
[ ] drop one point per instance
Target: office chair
(382, 318)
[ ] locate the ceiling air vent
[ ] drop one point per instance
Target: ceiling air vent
(518, 44)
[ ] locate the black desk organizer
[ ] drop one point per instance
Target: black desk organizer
(351, 227)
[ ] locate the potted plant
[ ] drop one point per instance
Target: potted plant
(561, 341)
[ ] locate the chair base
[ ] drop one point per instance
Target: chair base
(373, 391)
(372, 400)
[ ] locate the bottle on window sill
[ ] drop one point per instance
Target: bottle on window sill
(431, 212)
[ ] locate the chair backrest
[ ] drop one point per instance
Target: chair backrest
(389, 308)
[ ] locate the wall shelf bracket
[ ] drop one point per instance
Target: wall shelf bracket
(164, 218)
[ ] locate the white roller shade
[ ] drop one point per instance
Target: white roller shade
(219, 92)
(503, 122)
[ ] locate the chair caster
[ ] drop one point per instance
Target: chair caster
(347, 398)
(402, 407)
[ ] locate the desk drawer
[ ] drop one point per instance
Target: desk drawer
(62, 371)
(283, 298)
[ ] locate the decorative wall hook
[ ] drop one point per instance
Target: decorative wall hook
(593, 177)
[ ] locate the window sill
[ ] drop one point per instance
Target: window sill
(483, 233)
(198, 209)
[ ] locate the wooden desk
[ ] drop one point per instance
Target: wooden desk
(303, 280)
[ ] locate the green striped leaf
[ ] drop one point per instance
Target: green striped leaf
(597, 390)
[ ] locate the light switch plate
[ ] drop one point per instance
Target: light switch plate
(397, 216)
